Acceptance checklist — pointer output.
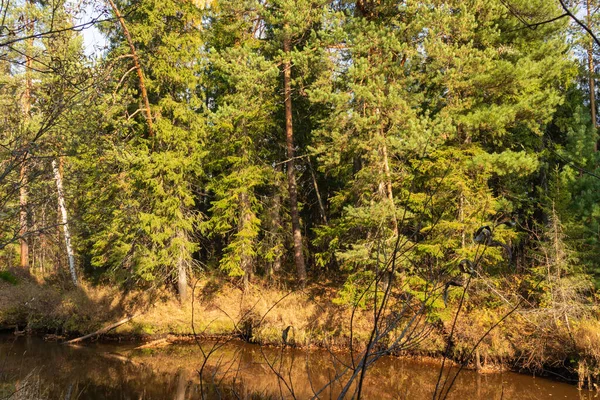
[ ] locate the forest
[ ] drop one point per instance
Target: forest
(403, 177)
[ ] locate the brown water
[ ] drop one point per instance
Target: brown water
(47, 370)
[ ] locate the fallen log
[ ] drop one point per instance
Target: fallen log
(102, 331)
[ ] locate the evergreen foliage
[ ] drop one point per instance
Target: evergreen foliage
(412, 122)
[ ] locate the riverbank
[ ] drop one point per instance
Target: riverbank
(528, 341)
(236, 370)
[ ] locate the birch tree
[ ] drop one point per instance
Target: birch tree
(65, 220)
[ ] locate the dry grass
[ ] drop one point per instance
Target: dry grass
(262, 313)
(587, 338)
(46, 307)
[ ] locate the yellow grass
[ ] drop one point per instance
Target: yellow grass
(263, 312)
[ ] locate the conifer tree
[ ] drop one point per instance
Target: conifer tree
(253, 110)
(436, 101)
(151, 175)
(242, 133)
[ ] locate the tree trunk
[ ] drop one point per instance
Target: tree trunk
(23, 189)
(319, 199)
(245, 257)
(591, 71)
(291, 173)
(388, 186)
(103, 330)
(65, 220)
(43, 243)
(182, 384)
(138, 68)
(182, 281)
(23, 217)
(182, 284)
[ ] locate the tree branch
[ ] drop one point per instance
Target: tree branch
(578, 22)
(138, 68)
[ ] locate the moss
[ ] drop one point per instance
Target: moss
(218, 327)
(41, 322)
(7, 390)
(8, 277)
(136, 328)
(76, 324)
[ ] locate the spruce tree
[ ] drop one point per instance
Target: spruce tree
(242, 132)
(150, 170)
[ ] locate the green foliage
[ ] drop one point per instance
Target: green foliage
(413, 123)
(6, 276)
(241, 135)
(358, 290)
(420, 133)
(571, 178)
(140, 222)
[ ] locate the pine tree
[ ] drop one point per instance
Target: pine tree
(290, 26)
(569, 177)
(435, 120)
(255, 74)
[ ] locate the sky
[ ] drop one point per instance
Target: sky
(93, 41)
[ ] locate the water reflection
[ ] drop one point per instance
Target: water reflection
(236, 370)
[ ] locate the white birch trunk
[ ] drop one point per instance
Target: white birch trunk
(65, 220)
(182, 264)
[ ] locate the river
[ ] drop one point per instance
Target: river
(31, 368)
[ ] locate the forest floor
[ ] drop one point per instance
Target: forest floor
(528, 340)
